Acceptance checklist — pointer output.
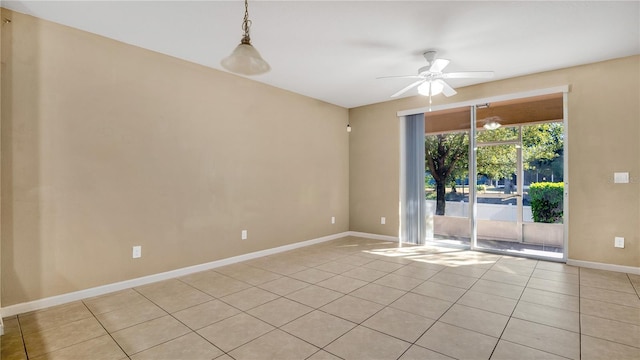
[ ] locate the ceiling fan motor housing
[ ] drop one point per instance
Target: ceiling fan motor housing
(430, 55)
(424, 71)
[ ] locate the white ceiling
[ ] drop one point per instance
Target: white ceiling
(335, 50)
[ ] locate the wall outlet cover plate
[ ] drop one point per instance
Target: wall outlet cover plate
(621, 177)
(137, 252)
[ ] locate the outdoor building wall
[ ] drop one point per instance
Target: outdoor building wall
(106, 146)
(604, 123)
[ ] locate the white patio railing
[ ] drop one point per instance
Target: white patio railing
(499, 212)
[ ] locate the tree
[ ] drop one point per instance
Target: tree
(446, 155)
(497, 161)
(543, 147)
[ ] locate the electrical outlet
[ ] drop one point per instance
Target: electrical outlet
(621, 177)
(333, 219)
(137, 251)
(244, 235)
(618, 242)
(383, 220)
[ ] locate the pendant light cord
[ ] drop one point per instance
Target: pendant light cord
(246, 24)
(245, 59)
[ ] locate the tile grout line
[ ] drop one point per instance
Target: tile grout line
(248, 314)
(466, 291)
(105, 329)
(193, 331)
(342, 295)
(89, 317)
(579, 313)
(441, 315)
(24, 343)
(456, 302)
(372, 315)
(278, 297)
(555, 327)
(633, 286)
(511, 317)
(170, 314)
(512, 311)
(146, 321)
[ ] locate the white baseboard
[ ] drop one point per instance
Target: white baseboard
(374, 236)
(581, 263)
(603, 266)
(127, 284)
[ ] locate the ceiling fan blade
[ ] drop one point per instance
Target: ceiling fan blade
(401, 77)
(408, 88)
(438, 65)
(447, 90)
(468, 75)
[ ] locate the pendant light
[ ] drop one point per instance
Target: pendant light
(492, 123)
(245, 59)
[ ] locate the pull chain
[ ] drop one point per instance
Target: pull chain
(429, 96)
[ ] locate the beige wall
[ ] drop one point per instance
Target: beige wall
(604, 123)
(106, 146)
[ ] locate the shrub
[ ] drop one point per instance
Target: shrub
(547, 201)
(482, 188)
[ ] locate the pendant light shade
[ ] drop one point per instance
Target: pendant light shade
(245, 59)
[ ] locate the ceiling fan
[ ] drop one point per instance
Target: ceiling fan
(431, 78)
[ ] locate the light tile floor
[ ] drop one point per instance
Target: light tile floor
(351, 298)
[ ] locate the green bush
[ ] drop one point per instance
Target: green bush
(482, 188)
(547, 201)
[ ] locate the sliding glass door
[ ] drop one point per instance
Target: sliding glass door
(494, 178)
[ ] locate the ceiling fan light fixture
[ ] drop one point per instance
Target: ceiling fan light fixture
(245, 59)
(432, 78)
(492, 123)
(436, 88)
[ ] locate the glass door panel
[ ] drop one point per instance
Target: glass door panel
(543, 188)
(498, 199)
(447, 187)
(520, 189)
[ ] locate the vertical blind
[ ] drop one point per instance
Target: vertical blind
(412, 195)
